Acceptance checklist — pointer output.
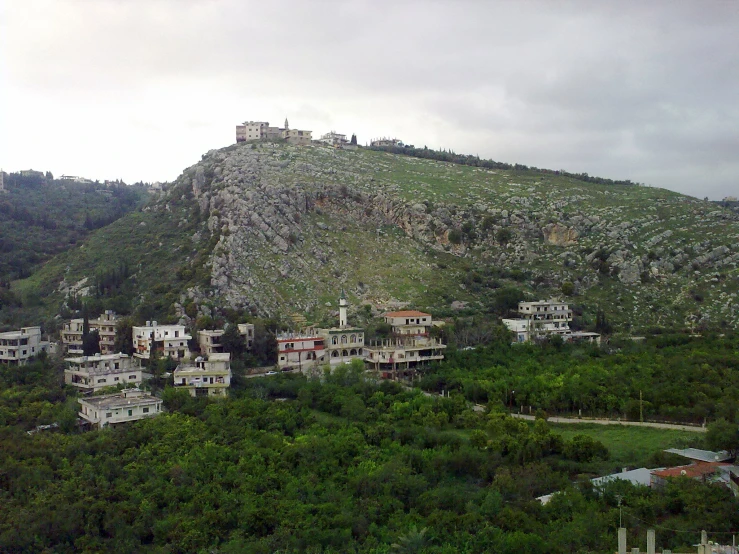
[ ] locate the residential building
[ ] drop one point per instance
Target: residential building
(384, 141)
(332, 138)
(105, 325)
(92, 373)
(72, 337)
(544, 318)
(210, 341)
(410, 346)
(246, 330)
(17, 347)
(302, 350)
(111, 409)
(207, 376)
(260, 130)
(169, 340)
(707, 472)
(343, 343)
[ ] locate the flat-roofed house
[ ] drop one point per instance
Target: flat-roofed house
(207, 376)
(168, 340)
(545, 318)
(303, 350)
(246, 330)
(210, 341)
(72, 337)
(92, 373)
(111, 409)
(17, 347)
(105, 325)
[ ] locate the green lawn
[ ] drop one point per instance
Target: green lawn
(631, 446)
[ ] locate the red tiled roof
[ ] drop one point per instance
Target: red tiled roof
(691, 471)
(407, 313)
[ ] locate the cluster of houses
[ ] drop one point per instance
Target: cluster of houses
(545, 318)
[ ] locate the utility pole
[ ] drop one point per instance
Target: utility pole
(641, 408)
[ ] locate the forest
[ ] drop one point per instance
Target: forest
(345, 463)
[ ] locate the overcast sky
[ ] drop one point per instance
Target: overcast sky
(140, 89)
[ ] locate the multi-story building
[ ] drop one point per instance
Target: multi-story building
(384, 141)
(210, 341)
(410, 346)
(246, 330)
(343, 343)
(111, 409)
(545, 318)
(92, 373)
(72, 337)
(207, 376)
(333, 138)
(169, 340)
(105, 325)
(302, 350)
(259, 130)
(16, 347)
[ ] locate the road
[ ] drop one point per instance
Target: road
(554, 419)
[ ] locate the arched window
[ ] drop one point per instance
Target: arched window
(353, 352)
(335, 354)
(343, 339)
(344, 353)
(353, 339)
(334, 340)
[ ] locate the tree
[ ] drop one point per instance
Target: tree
(353, 141)
(601, 323)
(124, 336)
(233, 342)
(91, 343)
(723, 435)
(568, 288)
(503, 236)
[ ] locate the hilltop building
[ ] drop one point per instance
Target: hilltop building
(17, 347)
(343, 343)
(104, 324)
(2, 181)
(92, 373)
(208, 376)
(168, 340)
(545, 318)
(111, 409)
(261, 130)
(384, 141)
(332, 138)
(410, 346)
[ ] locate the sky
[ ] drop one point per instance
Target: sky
(140, 89)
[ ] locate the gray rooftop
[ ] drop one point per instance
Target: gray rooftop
(700, 455)
(108, 401)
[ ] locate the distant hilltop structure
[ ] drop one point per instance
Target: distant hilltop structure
(384, 141)
(2, 181)
(730, 199)
(259, 130)
(337, 140)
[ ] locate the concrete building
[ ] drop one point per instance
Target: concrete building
(261, 130)
(105, 325)
(210, 341)
(2, 182)
(17, 347)
(303, 350)
(125, 406)
(332, 138)
(544, 318)
(384, 141)
(92, 373)
(343, 343)
(246, 330)
(169, 340)
(410, 346)
(207, 376)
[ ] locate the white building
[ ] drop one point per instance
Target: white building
(210, 341)
(16, 347)
(303, 350)
(168, 340)
(246, 330)
(332, 138)
(92, 373)
(258, 130)
(110, 409)
(105, 325)
(208, 376)
(544, 318)
(411, 345)
(72, 337)
(343, 343)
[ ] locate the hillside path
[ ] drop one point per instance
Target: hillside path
(555, 419)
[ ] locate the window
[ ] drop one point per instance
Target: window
(130, 412)
(101, 380)
(109, 414)
(116, 379)
(146, 410)
(116, 365)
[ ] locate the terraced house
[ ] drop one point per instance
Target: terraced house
(112, 409)
(208, 376)
(168, 340)
(104, 324)
(92, 373)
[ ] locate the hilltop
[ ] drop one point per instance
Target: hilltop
(276, 229)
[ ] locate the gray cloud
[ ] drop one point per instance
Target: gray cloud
(626, 89)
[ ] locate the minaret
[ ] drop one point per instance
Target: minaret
(287, 127)
(342, 310)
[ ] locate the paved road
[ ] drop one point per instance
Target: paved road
(554, 419)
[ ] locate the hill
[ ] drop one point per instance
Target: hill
(274, 229)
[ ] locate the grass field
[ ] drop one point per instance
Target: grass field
(631, 446)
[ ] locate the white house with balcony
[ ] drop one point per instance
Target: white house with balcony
(207, 376)
(303, 350)
(169, 340)
(544, 318)
(92, 373)
(111, 409)
(104, 324)
(17, 347)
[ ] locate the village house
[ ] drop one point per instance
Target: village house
(246, 330)
(210, 340)
(384, 141)
(343, 343)
(111, 409)
(303, 350)
(169, 340)
(105, 325)
(545, 318)
(332, 138)
(411, 345)
(92, 373)
(17, 347)
(261, 130)
(207, 376)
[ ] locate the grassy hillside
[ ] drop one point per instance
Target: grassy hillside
(276, 229)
